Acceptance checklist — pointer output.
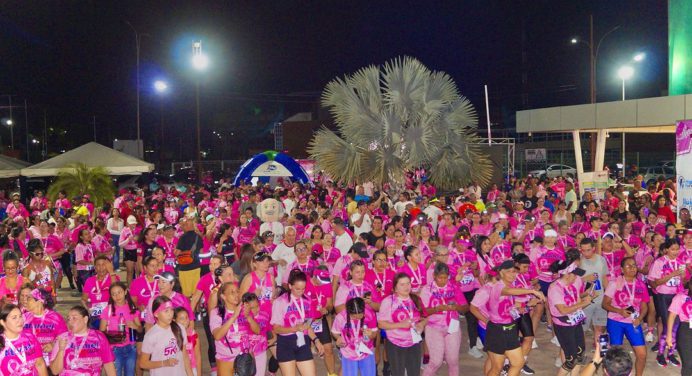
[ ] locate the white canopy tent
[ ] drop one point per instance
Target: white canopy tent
(11, 167)
(93, 155)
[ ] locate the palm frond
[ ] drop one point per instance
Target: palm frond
(79, 179)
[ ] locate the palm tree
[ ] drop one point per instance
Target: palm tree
(396, 118)
(78, 179)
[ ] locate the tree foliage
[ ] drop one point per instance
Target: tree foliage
(79, 179)
(399, 117)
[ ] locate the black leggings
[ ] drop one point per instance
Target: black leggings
(66, 263)
(471, 320)
(211, 350)
(404, 360)
(572, 341)
(684, 340)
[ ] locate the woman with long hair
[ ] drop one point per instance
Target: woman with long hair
(43, 322)
(626, 300)
(168, 287)
(232, 325)
(291, 319)
(20, 352)
(81, 351)
(39, 270)
(666, 277)
(128, 242)
(96, 288)
(193, 346)
(260, 282)
(356, 287)
(355, 329)
(401, 316)
(146, 242)
(163, 348)
(115, 225)
(84, 258)
(414, 268)
(225, 244)
(121, 309)
(168, 241)
(243, 266)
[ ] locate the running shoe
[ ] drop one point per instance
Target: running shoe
(654, 348)
(661, 360)
(555, 341)
(474, 352)
(649, 337)
(673, 359)
(526, 370)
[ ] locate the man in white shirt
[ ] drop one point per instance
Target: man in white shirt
(362, 219)
(342, 239)
(284, 253)
(400, 206)
(571, 198)
(433, 211)
(289, 202)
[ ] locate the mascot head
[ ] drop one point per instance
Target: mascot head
(270, 210)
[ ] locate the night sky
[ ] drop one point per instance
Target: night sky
(73, 60)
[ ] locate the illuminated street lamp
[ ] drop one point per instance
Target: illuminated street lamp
(200, 62)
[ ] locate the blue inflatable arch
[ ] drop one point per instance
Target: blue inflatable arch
(261, 166)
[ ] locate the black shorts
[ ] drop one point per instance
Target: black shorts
(572, 341)
(130, 255)
(325, 336)
(287, 349)
(500, 338)
(525, 325)
(662, 303)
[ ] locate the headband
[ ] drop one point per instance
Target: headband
(568, 269)
(163, 307)
(36, 294)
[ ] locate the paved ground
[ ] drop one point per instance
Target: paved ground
(541, 360)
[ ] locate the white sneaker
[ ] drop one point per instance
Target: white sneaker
(555, 342)
(558, 362)
(534, 345)
(649, 337)
(479, 343)
(474, 352)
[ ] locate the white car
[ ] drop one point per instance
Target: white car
(555, 170)
(652, 173)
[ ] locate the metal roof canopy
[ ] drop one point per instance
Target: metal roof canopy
(648, 115)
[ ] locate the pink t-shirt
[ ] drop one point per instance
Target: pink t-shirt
(499, 310)
(98, 293)
(264, 289)
(258, 342)
(661, 267)
(178, 300)
(45, 328)
(84, 355)
(289, 311)
(141, 290)
(394, 310)
(12, 364)
(206, 284)
(613, 260)
(624, 295)
(545, 257)
(318, 296)
(168, 247)
(383, 283)
(418, 275)
(52, 244)
(481, 299)
(561, 294)
(84, 252)
(352, 333)
(161, 344)
(682, 306)
(11, 296)
(465, 263)
(432, 296)
(348, 290)
(237, 338)
(113, 320)
(523, 281)
(307, 268)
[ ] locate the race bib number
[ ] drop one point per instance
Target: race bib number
(673, 282)
(97, 309)
(576, 317)
(300, 339)
(514, 313)
(415, 336)
(468, 279)
(266, 293)
(363, 349)
(453, 326)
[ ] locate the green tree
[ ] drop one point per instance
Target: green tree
(399, 117)
(79, 179)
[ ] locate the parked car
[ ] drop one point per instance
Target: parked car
(652, 173)
(555, 170)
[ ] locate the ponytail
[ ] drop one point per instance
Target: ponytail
(175, 328)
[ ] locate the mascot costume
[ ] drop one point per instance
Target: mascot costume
(270, 212)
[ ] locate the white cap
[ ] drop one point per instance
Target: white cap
(131, 220)
(548, 233)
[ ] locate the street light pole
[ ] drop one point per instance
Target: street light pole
(137, 44)
(199, 148)
(626, 72)
(200, 63)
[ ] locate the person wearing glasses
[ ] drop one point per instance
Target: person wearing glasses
(12, 282)
(302, 261)
(39, 270)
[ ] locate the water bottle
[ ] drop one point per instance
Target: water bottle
(133, 334)
(121, 325)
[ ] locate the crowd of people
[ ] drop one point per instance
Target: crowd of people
(365, 280)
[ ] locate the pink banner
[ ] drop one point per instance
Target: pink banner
(683, 137)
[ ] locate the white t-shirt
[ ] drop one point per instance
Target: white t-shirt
(286, 253)
(289, 205)
(365, 226)
(162, 345)
(343, 243)
(400, 207)
(571, 196)
(433, 213)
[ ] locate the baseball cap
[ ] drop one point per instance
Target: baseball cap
(322, 275)
(551, 233)
(131, 220)
(166, 276)
(572, 268)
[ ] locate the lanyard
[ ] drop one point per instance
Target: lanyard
(149, 286)
(355, 329)
(384, 278)
(21, 356)
(631, 293)
(100, 286)
(79, 349)
(416, 275)
(568, 292)
(359, 294)
(406, 308)
(235, 324)
(522, 280)
(298, 303)
(672, 264)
